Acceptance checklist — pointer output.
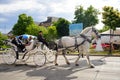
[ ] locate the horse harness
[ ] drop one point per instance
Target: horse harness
(60, 44)
(85, 39)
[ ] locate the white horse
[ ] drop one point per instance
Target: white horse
(80, 43)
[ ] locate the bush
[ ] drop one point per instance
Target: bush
(2, 38)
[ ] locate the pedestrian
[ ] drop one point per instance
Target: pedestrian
(98, 44)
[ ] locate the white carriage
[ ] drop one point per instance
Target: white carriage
(40, 55)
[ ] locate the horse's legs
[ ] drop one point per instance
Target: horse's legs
(63, 53)
(80, 51)
(88, 61)
(76, 62)
(56, 55)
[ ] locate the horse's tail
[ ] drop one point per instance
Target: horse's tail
(60, 44)
(53, 45)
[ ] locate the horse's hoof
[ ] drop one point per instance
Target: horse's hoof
(92, 66)
(76, 64)
(56, 64)
(68, 63)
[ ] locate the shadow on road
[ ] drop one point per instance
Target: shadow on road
(63, 72)
(51, 72)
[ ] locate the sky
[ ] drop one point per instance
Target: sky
(41, 9)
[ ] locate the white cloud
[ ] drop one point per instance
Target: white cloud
(20, 5)
(40, 9)
(63, 7)
(52, 7)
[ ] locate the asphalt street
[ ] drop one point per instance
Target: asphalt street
(106, 68)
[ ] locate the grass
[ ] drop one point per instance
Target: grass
(101, 53)
(106, 52)
(1, 51)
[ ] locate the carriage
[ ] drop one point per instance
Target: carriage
(39, 55)
(80, 43)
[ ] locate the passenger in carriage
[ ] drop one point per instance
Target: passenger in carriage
(17, 42)
(22, 45)
(41, 38)
(29, 41)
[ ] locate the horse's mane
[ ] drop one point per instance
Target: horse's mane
(86, 30)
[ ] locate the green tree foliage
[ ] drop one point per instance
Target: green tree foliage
(111, 17)
(105, 28)
(52, 33)
(88, 17)
(44, 30)
(33, 30)
(23, 22)
(62, 27)
(2, 38)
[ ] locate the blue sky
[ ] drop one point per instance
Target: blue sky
(41, 9)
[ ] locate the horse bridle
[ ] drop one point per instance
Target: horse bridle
(95, 31)
(87, 39)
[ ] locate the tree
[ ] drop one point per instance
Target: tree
(45, 32)
(88, 17)
(62, 27)
(23, 22)
(111, 17)
(52, 33)
(33, 30)
(2, 38)
(105, 28)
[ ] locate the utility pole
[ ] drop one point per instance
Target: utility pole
(110, 51)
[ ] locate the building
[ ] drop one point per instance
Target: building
(49, 21)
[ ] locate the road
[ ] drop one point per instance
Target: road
(106, 68)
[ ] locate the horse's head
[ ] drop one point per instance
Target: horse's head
(95, 32)
(90, 31)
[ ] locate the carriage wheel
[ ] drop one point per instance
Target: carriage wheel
(39, 58)
(25, 56)
(50, 55)
(9, 56)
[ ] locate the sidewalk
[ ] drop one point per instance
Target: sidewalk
(106, 68)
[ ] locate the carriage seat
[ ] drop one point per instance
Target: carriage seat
(31, 46)
(9, 43)
(41, 46)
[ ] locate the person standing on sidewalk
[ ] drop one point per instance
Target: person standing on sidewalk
(98, 44)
